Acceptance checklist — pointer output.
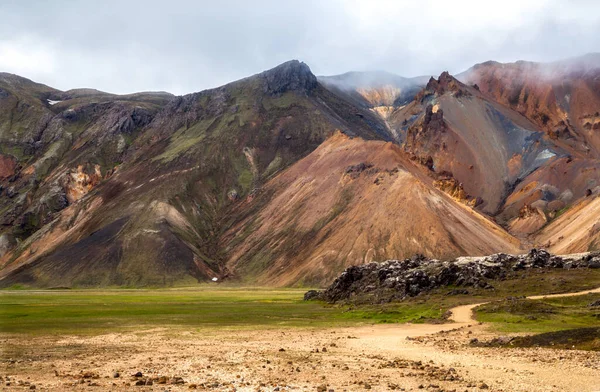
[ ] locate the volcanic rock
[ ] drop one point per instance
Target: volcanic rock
(290, 76)
(399, 279)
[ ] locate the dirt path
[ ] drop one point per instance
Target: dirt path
(464, 314)
(409, 357)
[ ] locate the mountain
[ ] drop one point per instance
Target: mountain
(483, 145)
(135, 190)
(350, 202)
(562, 100)
(285, 178)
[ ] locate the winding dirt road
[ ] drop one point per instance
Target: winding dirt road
(464, 314)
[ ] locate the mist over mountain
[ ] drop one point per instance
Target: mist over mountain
(182, 47)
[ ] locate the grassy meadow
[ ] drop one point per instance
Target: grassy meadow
(97, 311)
(101, 311)
(544, 315)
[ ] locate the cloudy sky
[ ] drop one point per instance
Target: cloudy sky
(184, 46)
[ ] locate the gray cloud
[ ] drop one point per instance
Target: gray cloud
(184, 46)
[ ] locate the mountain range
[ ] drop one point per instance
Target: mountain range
(286, 178)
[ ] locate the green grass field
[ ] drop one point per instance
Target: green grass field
(95, 311)
(539, 316)
(101, 311)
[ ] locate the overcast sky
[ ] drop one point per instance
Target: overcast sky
(184, 46)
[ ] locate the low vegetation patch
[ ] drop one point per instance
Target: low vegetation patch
(570, 339)
(98, 311)
(568, 322)
(546, 315)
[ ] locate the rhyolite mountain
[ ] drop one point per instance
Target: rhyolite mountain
(285, 178)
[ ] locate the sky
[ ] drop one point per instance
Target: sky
(127, 46)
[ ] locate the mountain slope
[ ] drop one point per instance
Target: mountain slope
(562, 98)
(576, 230)
(56, 146)
(353, 201)
(486, 147)
(160, 215)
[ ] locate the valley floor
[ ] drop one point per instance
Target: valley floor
(382, 357)
(407, 357)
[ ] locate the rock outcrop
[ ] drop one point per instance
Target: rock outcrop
(399, 279)
(290, 76)
(455, 189)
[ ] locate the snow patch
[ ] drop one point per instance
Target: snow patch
(546, 154)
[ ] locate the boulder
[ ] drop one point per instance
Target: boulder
(312, 295)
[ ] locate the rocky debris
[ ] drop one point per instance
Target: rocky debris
(527, 211)
(139, 379)
(6, 243)
(311, 294)
(445, 82)
(429, 135)
(426, 161)
(424, 370)
(11, 192)
(4, 93)
(529, 220)
(358, 168)
(454, 188)
(55, 199)
(495, 342)
(354, 171)
(399, 279)
(594, 304)
(92, 375)
(112, 117)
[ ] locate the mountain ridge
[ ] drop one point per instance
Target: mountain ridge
(154, 189)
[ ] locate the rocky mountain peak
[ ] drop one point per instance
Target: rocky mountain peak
(290, 76)
(445, 82)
